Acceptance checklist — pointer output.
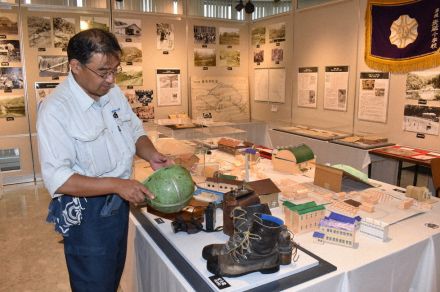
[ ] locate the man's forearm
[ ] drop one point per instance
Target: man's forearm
(145, 148)
(85, 186)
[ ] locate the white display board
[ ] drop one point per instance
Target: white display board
(373, 96)
(307, 86)
(168, 87)
(336, 88)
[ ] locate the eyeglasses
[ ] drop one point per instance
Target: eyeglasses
(105, 75)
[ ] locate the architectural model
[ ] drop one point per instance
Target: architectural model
(293, 159)
(301, 218)
(337, 229)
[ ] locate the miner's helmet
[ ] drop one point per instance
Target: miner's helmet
(173, 188)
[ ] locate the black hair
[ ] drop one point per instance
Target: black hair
(84, 44)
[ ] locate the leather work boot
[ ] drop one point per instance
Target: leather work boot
(256, 251)
(286, 246)
(242, 220)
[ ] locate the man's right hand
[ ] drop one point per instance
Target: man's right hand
(133, 191)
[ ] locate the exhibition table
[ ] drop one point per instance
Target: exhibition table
(408, 261)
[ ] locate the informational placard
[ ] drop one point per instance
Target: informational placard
(270, 85)
(336, 88)
(261, 84)
(43, 89)
(168, 87)
(307, 86)
(373, 96)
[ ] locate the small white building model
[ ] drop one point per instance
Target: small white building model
(374, 228)
(337, 229)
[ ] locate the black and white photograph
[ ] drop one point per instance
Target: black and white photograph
(8, 24)
(87, 22)
(204, 57)
(130, 76)
(39, 32)
(164, 36)
(277, 32)
(131, 52)
(63, 30)
(168, 87)
(11, 78)
(145, 113)
(258, 56)
(277, 55)
(229, 58)
(421, 119)
(229, 36)
(128, 28)
(12, 106)
(258, 36)
(205, 34)
(10, 51)
(423, 85)
(368, 84)
(43, 89)
(53, 66)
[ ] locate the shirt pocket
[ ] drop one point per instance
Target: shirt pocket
(96, 151)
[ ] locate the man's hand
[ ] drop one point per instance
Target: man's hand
(133, 191)
(158, 160)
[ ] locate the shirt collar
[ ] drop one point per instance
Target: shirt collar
(84, 100)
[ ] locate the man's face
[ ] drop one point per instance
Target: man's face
(96, 77)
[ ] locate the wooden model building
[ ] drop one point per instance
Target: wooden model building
(232, 146)
(303, 217)
(418, 193)
(293, 160)
(222, 185)
(337, 229)
(266, 190)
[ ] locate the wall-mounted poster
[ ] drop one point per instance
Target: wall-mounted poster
(307, 86)
(229, 36)
(39, 32)
(125, 28)
(423, 85)
(373, 96)
(261, 84)
(11, 78)
(336, 88)
(53, 66)
(131, 52)
(130, 75)
(270, 85)
(229, 58)
(226, 98)
(421, 119)
(277, 55)
(8, 24)
(12, 106)
(143, 112)
(63, 30)
(87, 22)
(168, 87)
(165, 36)
(10, 51)
(43, 89)
(204, 57)
(258, 56)
(258, 36)
(204, 34)
(277, 32)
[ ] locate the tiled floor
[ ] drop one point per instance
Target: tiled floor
(31, 257)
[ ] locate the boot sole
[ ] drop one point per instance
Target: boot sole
(263, 271)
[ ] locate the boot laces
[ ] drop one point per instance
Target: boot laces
(241, 246)
(295, 254)
(238, 217)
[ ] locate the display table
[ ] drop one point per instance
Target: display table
(324, 151)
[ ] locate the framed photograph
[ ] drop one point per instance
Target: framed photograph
(11, 78)
(53, 66)
(258, 35)
(63, 30)
(39, 32)
(204, 57)
(258, 56)
(8, 24)
(229, 58)
(205, 34)
(131, 52)
(12, 106)
(87, 22)
(130, 75)
(125, 28)
(424, 85)
(277, 55)
(277, 32)
(229, 36)
(10, 51)
(421, 119)
(43, 89)
(164, 36)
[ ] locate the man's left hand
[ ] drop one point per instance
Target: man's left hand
(158, 160)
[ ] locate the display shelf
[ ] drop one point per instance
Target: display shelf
(321, 134)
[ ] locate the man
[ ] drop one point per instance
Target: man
(88, 136)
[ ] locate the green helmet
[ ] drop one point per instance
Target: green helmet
(173, 188)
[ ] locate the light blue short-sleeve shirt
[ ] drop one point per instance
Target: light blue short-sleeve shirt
(77, 134)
